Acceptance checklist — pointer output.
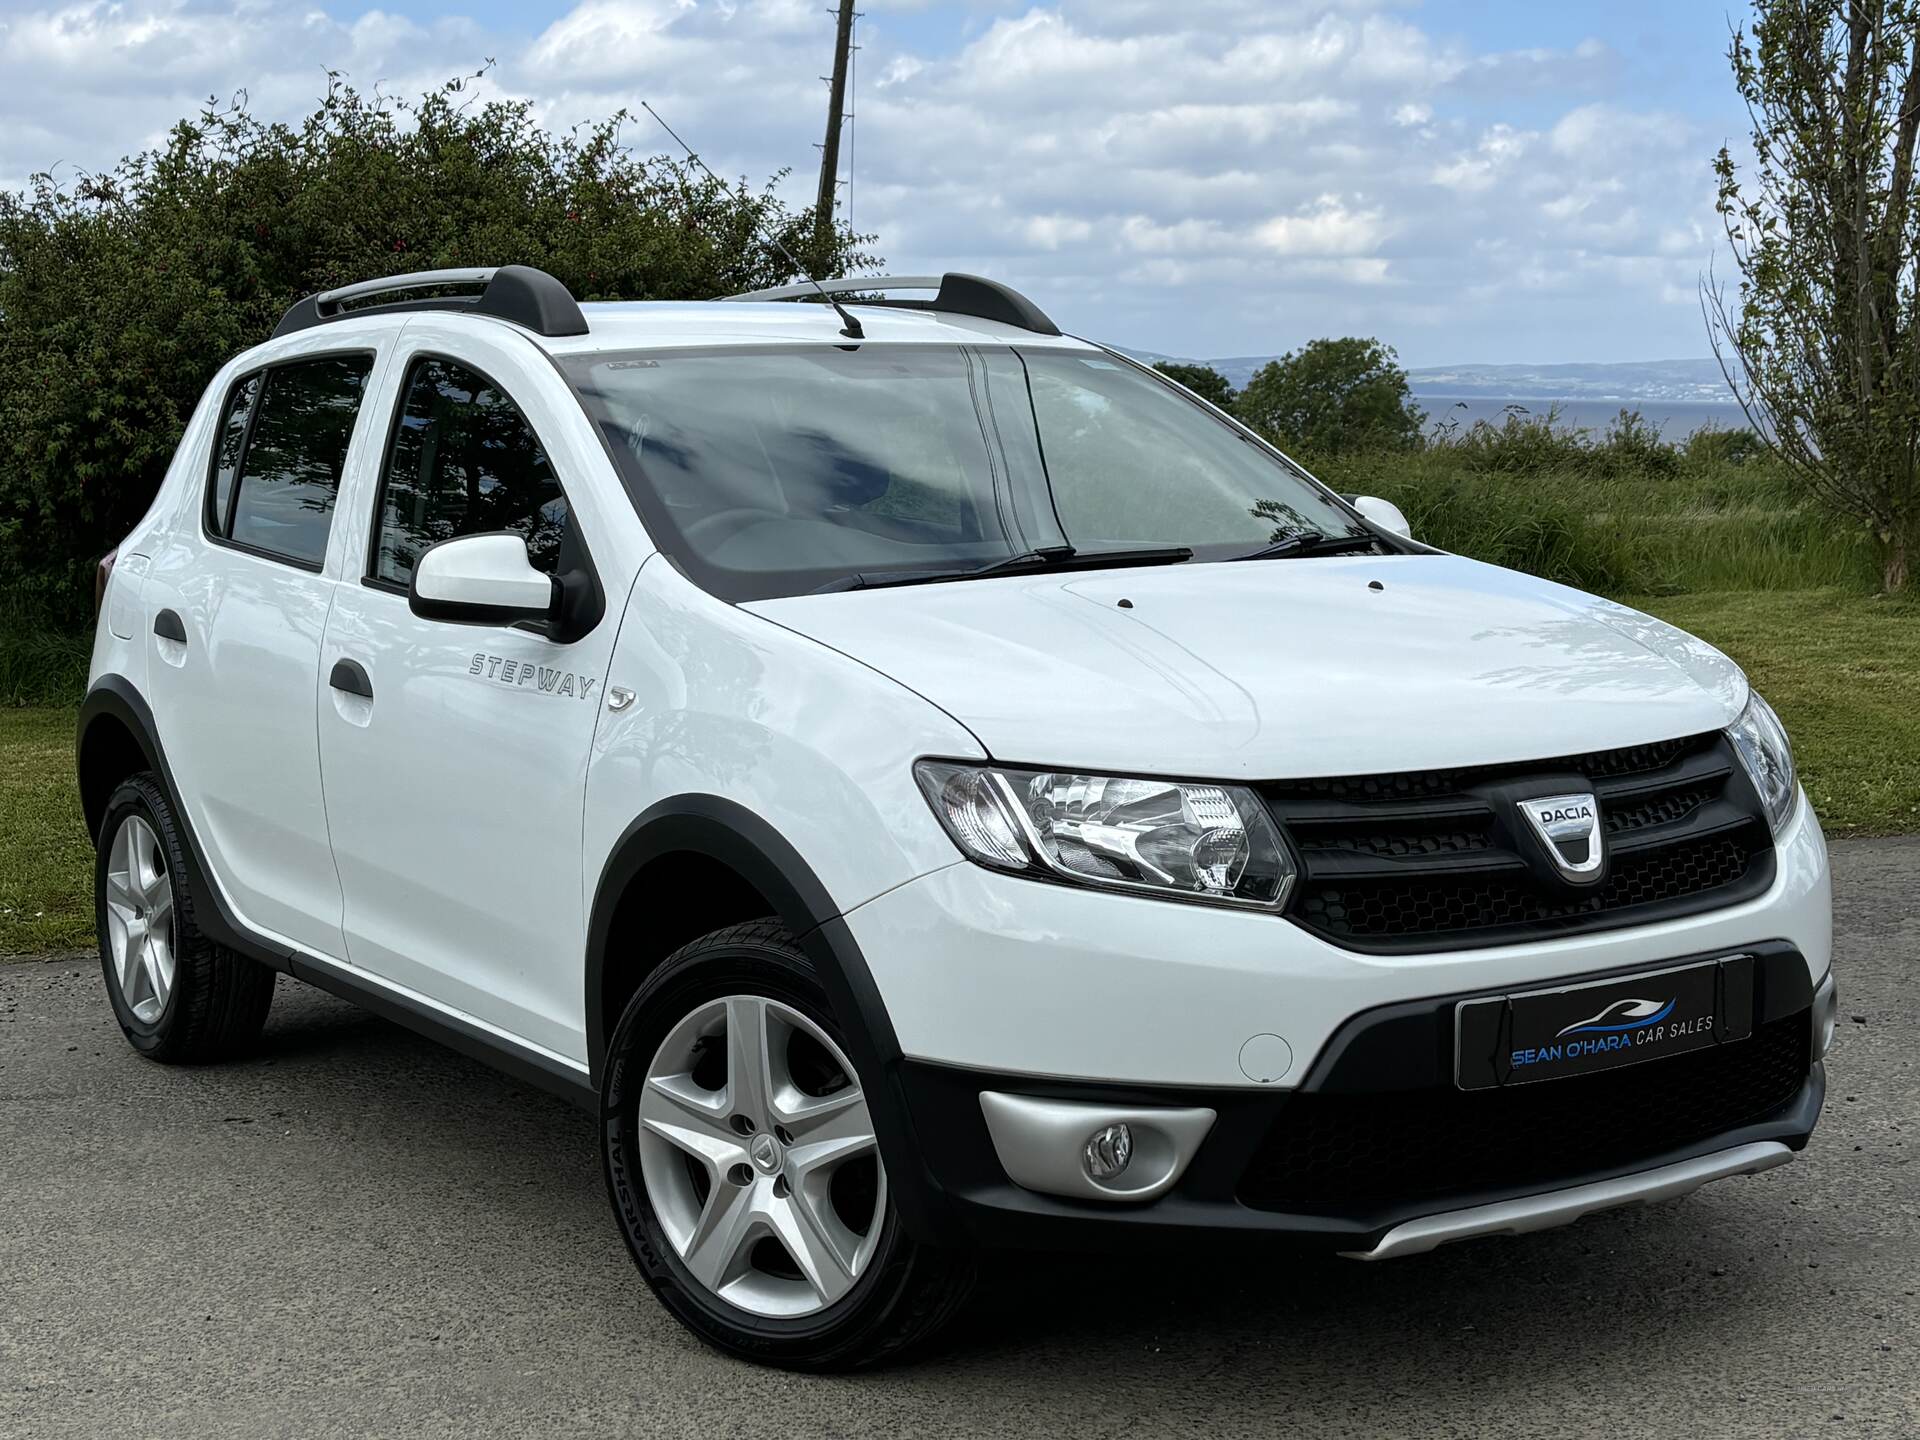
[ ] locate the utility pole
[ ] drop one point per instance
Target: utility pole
(830, 151)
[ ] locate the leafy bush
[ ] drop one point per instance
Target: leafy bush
(1523, 441)
(1714, 446)
(123, 293)
(1333, 397)
(1526, 441)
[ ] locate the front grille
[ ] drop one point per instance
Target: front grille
(1437, 859)
(1333, 1154)
(1662, 809)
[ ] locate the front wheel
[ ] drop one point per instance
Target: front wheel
(743, 1166)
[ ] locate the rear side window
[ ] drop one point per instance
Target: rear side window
(280, 455)
(226, 455)
(463, 461)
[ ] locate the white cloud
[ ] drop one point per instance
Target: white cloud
(1211, 177)
(1478, 170)
(1326, 227)
(1050, 232)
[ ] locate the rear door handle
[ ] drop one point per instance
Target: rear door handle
(168, 626)
(350, 678)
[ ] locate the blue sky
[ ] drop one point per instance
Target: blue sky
(1494, 181)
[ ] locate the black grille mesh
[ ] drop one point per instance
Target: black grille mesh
(1661, 809)
(1333, 1154)
(1436, 857)
(1440, 906)
(1458, 840)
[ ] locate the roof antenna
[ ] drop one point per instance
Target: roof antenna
(852, 328)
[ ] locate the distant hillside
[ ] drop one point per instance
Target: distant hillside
(1632, 383)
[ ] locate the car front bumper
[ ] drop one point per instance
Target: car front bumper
(1349, 1168)
(1003, 987)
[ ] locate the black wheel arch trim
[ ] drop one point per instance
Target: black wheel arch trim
(114, 697)
(728, 832)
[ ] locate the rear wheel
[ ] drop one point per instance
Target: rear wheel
(744, 1168)
(177, 995)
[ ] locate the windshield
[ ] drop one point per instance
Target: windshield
(778, 471)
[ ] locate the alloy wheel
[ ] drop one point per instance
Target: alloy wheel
(140, 930)
(758, 1153)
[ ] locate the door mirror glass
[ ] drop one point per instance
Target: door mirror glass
(1383, 513)
(481, 579)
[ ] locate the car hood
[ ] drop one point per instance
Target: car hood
(1281, 668)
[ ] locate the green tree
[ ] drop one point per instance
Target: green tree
(1821, 344)
(1332, 397)
(122, 293)
(1205, 381)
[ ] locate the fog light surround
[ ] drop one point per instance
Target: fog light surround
(1826, 1013)
(1088, 1150)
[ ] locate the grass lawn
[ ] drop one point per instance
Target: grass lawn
(1842, 669)
(46, 864)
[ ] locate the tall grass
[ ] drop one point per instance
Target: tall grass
(43, 656)
(1619, 512)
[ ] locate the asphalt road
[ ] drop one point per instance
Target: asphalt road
(361, 1234)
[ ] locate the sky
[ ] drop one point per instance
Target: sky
(1471, 181)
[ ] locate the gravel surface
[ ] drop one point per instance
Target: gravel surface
(358, 1233)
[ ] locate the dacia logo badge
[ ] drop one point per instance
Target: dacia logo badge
(1570, 834)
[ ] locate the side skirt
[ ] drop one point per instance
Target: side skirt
(456, 1034)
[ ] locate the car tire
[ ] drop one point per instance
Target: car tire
(178, 996)
(751, 1192)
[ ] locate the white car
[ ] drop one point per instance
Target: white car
(928, 782)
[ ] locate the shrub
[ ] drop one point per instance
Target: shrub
(1713, 446)
(1333, 397)
(121, 294)
(1524, 440)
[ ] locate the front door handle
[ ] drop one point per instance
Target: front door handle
(168, 626)
(350, 678)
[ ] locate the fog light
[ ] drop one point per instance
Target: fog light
(1109, 1149)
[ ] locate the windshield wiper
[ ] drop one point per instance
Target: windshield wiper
(1311, 542)
(1045, 557)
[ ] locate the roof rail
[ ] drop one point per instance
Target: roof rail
(520, 294)
(957, 295)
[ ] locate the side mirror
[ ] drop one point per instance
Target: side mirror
(1383, 513)
(482, 580)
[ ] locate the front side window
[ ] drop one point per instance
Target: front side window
(293, 456)
(783, 470)
(463, 461)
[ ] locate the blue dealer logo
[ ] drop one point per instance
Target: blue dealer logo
(1621, 1015)
(1622, 1025)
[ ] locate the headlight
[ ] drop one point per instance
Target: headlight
(1165, 837)
(1762, 742)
